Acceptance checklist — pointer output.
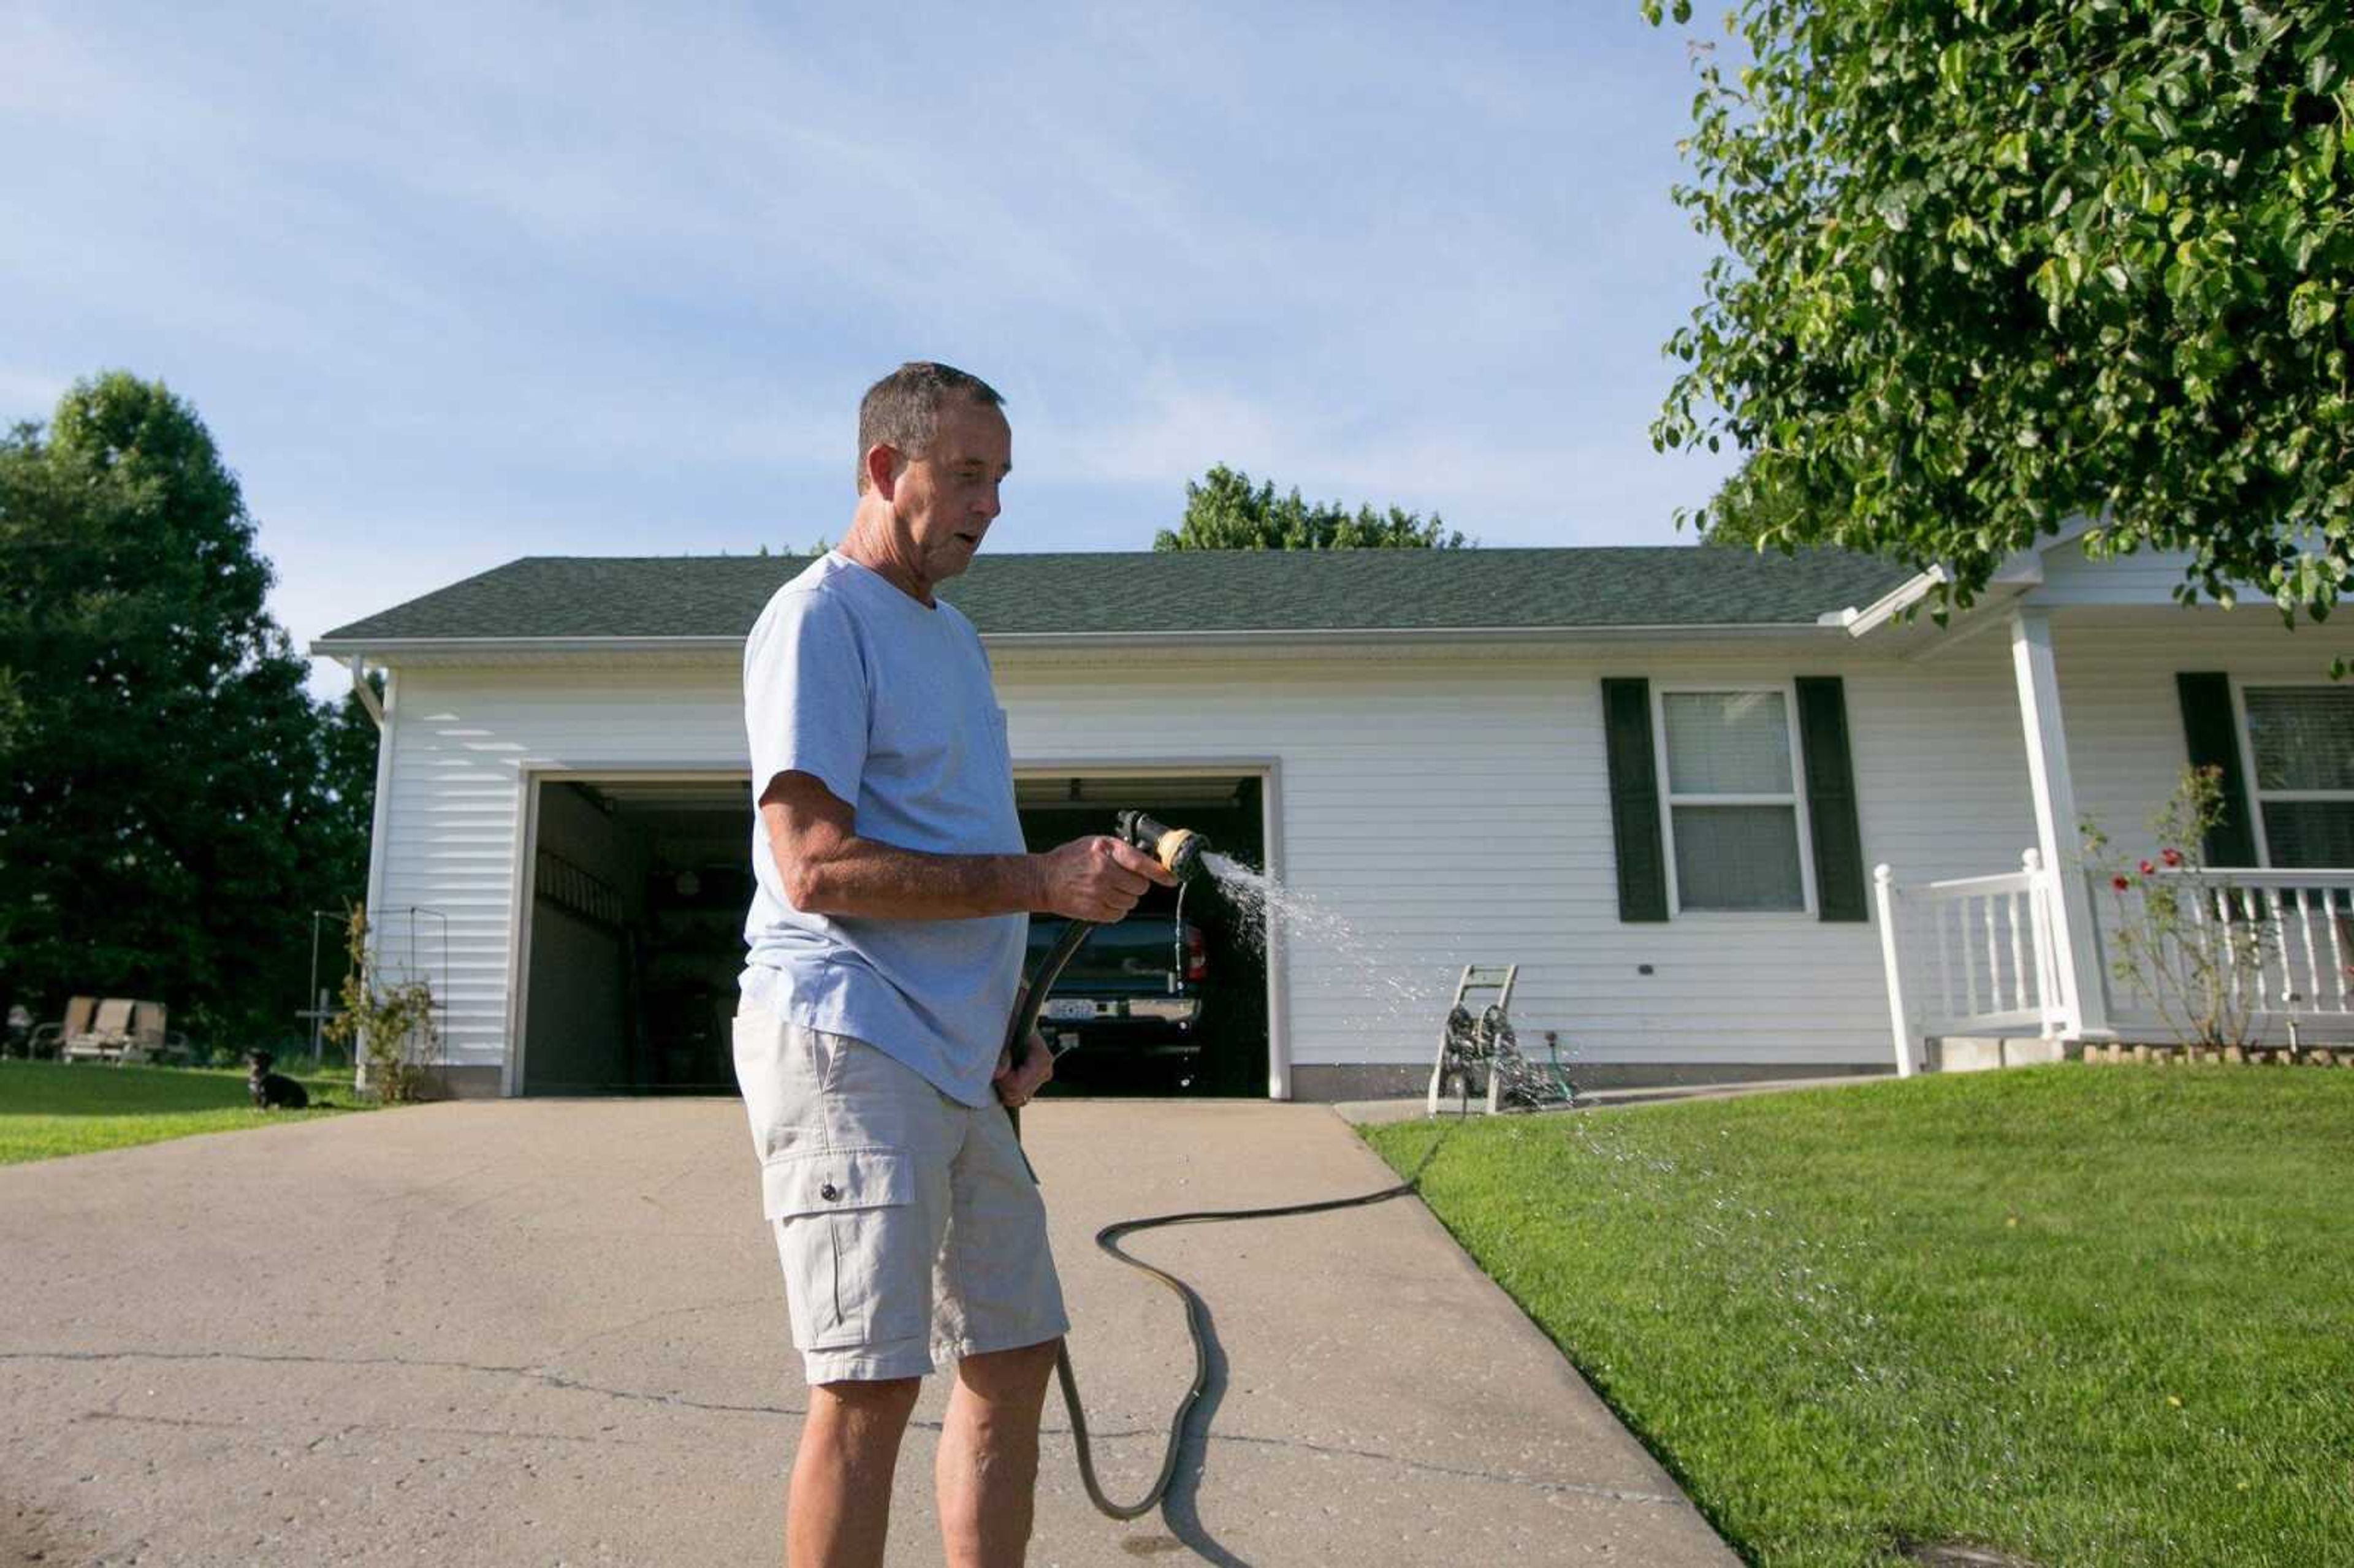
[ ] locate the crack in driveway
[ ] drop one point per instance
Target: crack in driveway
(545, 1378)
(314, 1444)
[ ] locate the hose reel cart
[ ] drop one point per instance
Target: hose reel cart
(1477, 1041)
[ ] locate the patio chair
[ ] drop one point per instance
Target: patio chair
(50, 1038)
(108, 1036)
(150, 1039)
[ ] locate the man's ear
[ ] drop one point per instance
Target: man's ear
(883, 467)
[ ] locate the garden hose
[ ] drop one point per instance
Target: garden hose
(1183, 849)
(1196, 1329)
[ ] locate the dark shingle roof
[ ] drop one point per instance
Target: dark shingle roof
(1207, 590)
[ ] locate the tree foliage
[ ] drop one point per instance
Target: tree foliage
(1750, 517)
(1994, 264)
(1224, 511)
(173, 805)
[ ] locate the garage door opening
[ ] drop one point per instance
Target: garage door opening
(1173, 1000)
(634, 936)
(632, 939)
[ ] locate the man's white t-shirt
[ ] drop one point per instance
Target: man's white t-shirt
(887, 703)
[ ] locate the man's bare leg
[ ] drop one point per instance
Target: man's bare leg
(840, 1506)
(987, 1470)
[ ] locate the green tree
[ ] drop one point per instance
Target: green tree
(1994, 264)
(347, 755)
(1223, 511)
(165, 823)
(1750, 518)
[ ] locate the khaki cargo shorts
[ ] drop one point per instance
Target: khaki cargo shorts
(909, 1227)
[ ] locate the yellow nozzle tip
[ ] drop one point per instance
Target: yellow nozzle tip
(1171, 845)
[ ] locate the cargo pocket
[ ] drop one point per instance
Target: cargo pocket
(852, 1240)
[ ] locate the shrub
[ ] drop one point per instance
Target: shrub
(391, 1026)
(2185, 942)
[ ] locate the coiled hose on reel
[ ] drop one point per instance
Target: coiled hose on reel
(1179, 852)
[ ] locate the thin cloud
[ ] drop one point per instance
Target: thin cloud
(455, 283)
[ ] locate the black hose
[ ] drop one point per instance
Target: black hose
(1196, 1328)
(1026, 1018)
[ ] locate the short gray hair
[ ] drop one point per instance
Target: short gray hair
(903, 409)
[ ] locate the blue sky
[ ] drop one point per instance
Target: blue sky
(454, 284)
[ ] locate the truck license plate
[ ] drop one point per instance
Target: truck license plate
(1069, 1007)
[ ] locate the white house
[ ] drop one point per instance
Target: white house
(1657, 779)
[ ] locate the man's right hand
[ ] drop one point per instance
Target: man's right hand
(1097, 879)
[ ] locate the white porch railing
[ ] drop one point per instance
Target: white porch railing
(2281, 942)
(1972, 957)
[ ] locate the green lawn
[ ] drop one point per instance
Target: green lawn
(47, 1108)
(2086, 1315)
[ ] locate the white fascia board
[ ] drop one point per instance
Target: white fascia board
(1306, 636)
(1889, 606)
(2021, 569)
(2018, 573)
(385, 649)
(378, 647)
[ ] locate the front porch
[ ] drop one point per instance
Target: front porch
(1973, 975)
(2251, 929)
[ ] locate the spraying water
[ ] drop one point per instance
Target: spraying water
(1408, 996)
(1382, 982)
(1264, 906)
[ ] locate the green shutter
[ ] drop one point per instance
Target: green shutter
(1830, 799)
(2210, 734)
(1634, 800)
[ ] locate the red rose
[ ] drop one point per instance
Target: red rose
(2171, 857)
(2120, 882)
(2147, 869)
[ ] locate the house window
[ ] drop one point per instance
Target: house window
(2301, 742)
(1733, 802)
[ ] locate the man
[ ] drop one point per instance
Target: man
(886, 938)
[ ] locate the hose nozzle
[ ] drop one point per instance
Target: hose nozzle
(1179, 850)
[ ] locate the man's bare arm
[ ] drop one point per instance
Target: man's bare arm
(828, 869)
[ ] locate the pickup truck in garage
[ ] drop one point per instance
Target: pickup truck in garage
(1125, 1015)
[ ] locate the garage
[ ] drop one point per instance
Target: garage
(633, 935)
(631, 938)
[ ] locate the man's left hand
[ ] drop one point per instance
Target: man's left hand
(1016, 1085)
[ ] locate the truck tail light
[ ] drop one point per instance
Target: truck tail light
(1197, 955)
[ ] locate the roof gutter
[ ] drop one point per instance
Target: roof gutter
(349, 648)
(1191, 637)
(2020, 573)
(1881, 611)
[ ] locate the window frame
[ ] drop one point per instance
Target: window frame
(1796, 799)
(2257, 793)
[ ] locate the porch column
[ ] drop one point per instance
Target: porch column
(2075, 943)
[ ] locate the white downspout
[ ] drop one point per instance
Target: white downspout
(365, 692)
(378, 819)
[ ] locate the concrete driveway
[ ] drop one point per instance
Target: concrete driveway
(542, 1332)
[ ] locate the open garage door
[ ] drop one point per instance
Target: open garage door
(634, 935)
(1174, 1000)
(635, 896)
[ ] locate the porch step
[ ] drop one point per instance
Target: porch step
(1969, 1053)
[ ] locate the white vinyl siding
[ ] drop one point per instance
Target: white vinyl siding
(2145, 577)
(1450, 808)
(2124, 714)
